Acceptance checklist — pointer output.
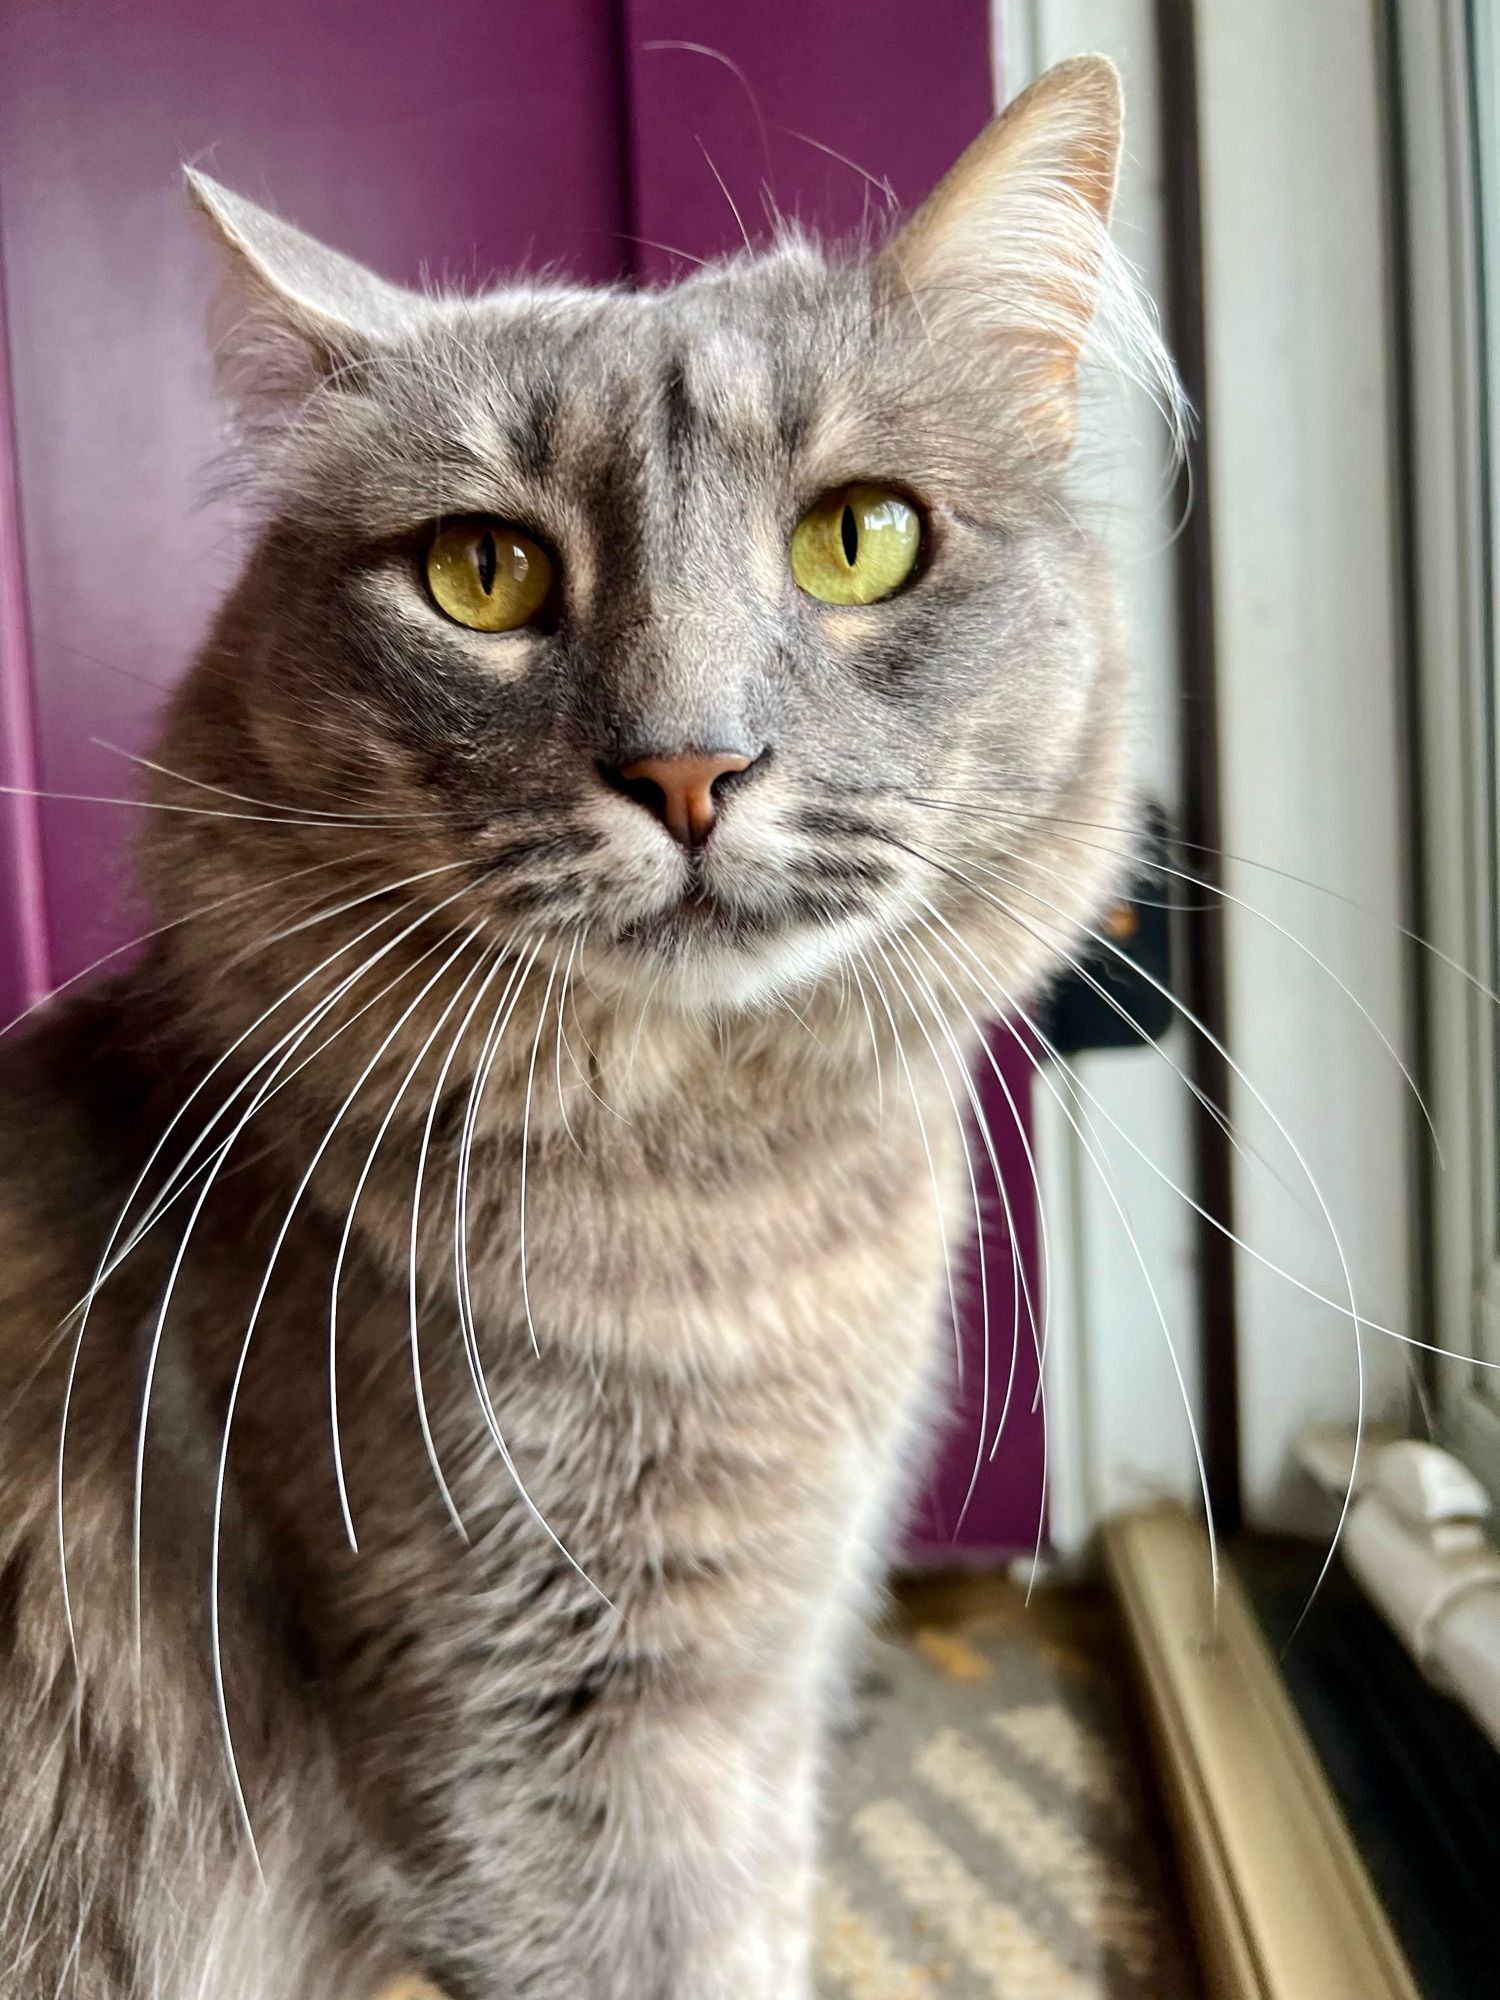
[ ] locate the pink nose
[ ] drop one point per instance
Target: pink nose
(680, 790)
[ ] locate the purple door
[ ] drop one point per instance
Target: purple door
(463, 138)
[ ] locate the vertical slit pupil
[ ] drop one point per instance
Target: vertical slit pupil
(487, 562)
(849, 534)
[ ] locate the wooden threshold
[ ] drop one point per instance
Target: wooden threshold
(1280, 1899)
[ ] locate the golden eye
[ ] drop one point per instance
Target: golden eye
(857, 545)
(488, 576)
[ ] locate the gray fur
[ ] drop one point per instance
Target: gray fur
(553, 1728)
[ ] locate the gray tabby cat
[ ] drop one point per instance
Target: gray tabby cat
(471, 1295)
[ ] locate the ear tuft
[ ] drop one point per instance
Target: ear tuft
(291, 313)
(1010, 252)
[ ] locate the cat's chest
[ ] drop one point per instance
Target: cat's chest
(635, 1559)
(722, 1239)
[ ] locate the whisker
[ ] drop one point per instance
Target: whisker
(1022, 1281)
(859, 987)
(106, 1266)
(1215, 1222)
(171, 924)
(932, 1174)
(558, 1040)
(504, 1010)
(159, 1201)
(979, 1242)
(341, 909)
(1053, 821)
(536, 1043)
(1022, 1135)
(318, 1013)
(412, 1241)
(724, 190)
(475, 932)
(216, 1650)
(1039, 1399)
(1006, 1006)
(1214, 1042)
(1300, 944)
(163, 805)
(277, 806)
(579, 1070)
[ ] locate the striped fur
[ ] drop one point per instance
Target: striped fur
(506, 1622)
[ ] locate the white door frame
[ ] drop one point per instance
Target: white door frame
(1309, 663)
(1118, 1430)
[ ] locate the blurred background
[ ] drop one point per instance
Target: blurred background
(1264, 1209)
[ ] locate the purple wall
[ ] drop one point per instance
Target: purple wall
(460, 137)
(481, 146)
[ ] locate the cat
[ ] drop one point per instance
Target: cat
(473, 1293)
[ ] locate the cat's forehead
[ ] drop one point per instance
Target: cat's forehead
(527, 395)
(743, 351)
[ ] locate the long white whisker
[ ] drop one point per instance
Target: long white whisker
(932, 1173)
(1004, 1006)
(161, 805)
(160, 930)
(177, 1181)
(536, 1043)
(412, 1242)
(341, 909)
(359, 1187)
(979, 1243)
(1218, 1046)
(578, 1068)
(278, 806)
(558, 1041)
(1249, 1249)
(1039, 1400)
(106, 1266)
(1300, 944)
(1020, 1277)
(864, 1001)
(274, 1081)
(220, 1692)
(467, 1324)
(1055, 822)
(413, 1239)
(1022, 1134)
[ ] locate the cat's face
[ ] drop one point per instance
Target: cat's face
(684, 748)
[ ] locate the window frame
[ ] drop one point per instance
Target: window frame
(1456, 652)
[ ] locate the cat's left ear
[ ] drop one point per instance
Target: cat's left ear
(1003, 260)
(292, 313)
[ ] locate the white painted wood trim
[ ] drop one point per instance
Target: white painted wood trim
(1118, 1431)
(1301, 451)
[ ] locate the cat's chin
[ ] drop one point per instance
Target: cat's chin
(701, 961)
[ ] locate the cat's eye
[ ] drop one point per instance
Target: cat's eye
(856, 545)
(488, 576)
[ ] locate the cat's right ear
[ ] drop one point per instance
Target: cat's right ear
(291, 314)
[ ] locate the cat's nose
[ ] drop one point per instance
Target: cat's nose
(680, 789)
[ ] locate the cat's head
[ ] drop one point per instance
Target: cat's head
(721, 631)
